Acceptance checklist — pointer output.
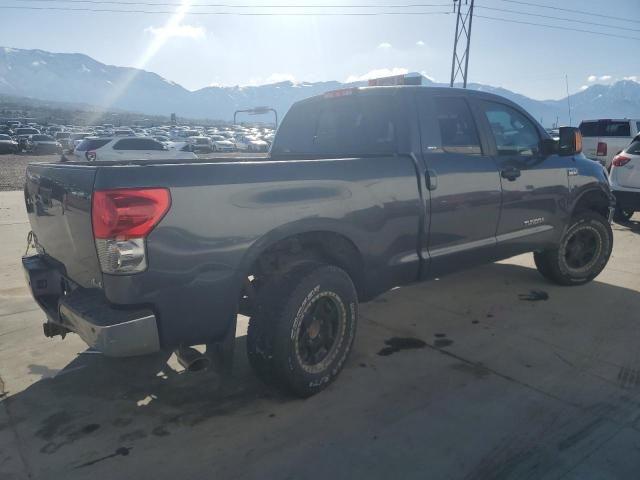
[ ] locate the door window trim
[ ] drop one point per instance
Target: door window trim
(487, 132)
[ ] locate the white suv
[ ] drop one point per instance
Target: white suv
(126, 148)
(604, 139)
(625, 180)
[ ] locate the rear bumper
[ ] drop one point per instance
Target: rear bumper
(114, 332)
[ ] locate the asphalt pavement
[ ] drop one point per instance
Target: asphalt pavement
(508, 385)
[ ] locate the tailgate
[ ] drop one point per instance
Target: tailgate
(58, 200)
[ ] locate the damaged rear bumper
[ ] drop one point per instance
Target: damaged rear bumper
(114, 331)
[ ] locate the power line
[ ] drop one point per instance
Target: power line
(508, 20)
(241, 14)
(581, 12)
(230, 5)
(506, 10)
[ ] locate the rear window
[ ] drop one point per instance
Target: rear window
(634, 148)
(42, 138)
(5, 137)
(615, 129)
(92, 144)
(63, 135)
(606, 128)
(589, 129)
(349, 125)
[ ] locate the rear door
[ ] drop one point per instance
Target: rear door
(463, 181)
(535, 186)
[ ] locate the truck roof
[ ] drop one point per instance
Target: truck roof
(387, 90)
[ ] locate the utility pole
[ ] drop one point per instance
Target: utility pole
(462, 41)
(566, 81)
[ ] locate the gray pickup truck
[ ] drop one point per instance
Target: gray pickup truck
(364, 189)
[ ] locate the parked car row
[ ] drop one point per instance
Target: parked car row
(17, 138)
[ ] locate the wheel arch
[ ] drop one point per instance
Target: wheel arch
(323, 239)
(594, 199)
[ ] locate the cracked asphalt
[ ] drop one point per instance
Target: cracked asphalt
(473, 376)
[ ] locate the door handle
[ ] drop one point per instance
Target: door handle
(510, 173)
(431, 179)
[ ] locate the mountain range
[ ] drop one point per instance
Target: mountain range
(78, 78)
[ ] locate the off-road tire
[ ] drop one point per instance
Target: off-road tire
(558, 264)
(276, 330)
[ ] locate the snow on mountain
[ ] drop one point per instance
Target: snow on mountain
(80, 79)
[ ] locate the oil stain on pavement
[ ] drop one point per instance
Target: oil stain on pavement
(395, 344)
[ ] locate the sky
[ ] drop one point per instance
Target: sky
(198, 50)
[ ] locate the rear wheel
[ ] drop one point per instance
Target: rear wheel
(304, 328)
(583, 252)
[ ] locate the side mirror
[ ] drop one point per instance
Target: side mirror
(570, 141)
(548, 146)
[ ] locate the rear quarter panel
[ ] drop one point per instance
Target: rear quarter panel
(223, 215)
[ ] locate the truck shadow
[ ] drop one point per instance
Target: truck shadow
(97, 408)
(632, 225)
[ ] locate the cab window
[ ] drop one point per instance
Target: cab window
(513, 133)
(458, 132)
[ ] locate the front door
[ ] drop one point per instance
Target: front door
(535, 185)
(463, 183)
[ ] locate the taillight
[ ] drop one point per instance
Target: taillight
(602, 149)
(122, 219)
(620, 160)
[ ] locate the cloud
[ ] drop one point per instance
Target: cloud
(384, 45)
(633, 78)
(380, 72)
(420, 43)
(175, 31)
(280, 77)
(592, 78)
(584, 87)
(605, 78)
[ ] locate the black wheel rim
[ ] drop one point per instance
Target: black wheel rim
(319, 330)
(582, 248)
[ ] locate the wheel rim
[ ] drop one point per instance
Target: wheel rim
(319, 330)
(582, 249)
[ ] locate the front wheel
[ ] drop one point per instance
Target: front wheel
(303, 329)
(583, 252)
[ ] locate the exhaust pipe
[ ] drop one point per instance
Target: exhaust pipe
(191, 359)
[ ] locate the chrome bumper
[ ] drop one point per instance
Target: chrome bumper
(138, 336)
(114, 331)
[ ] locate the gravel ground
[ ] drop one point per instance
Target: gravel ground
(12, 168)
